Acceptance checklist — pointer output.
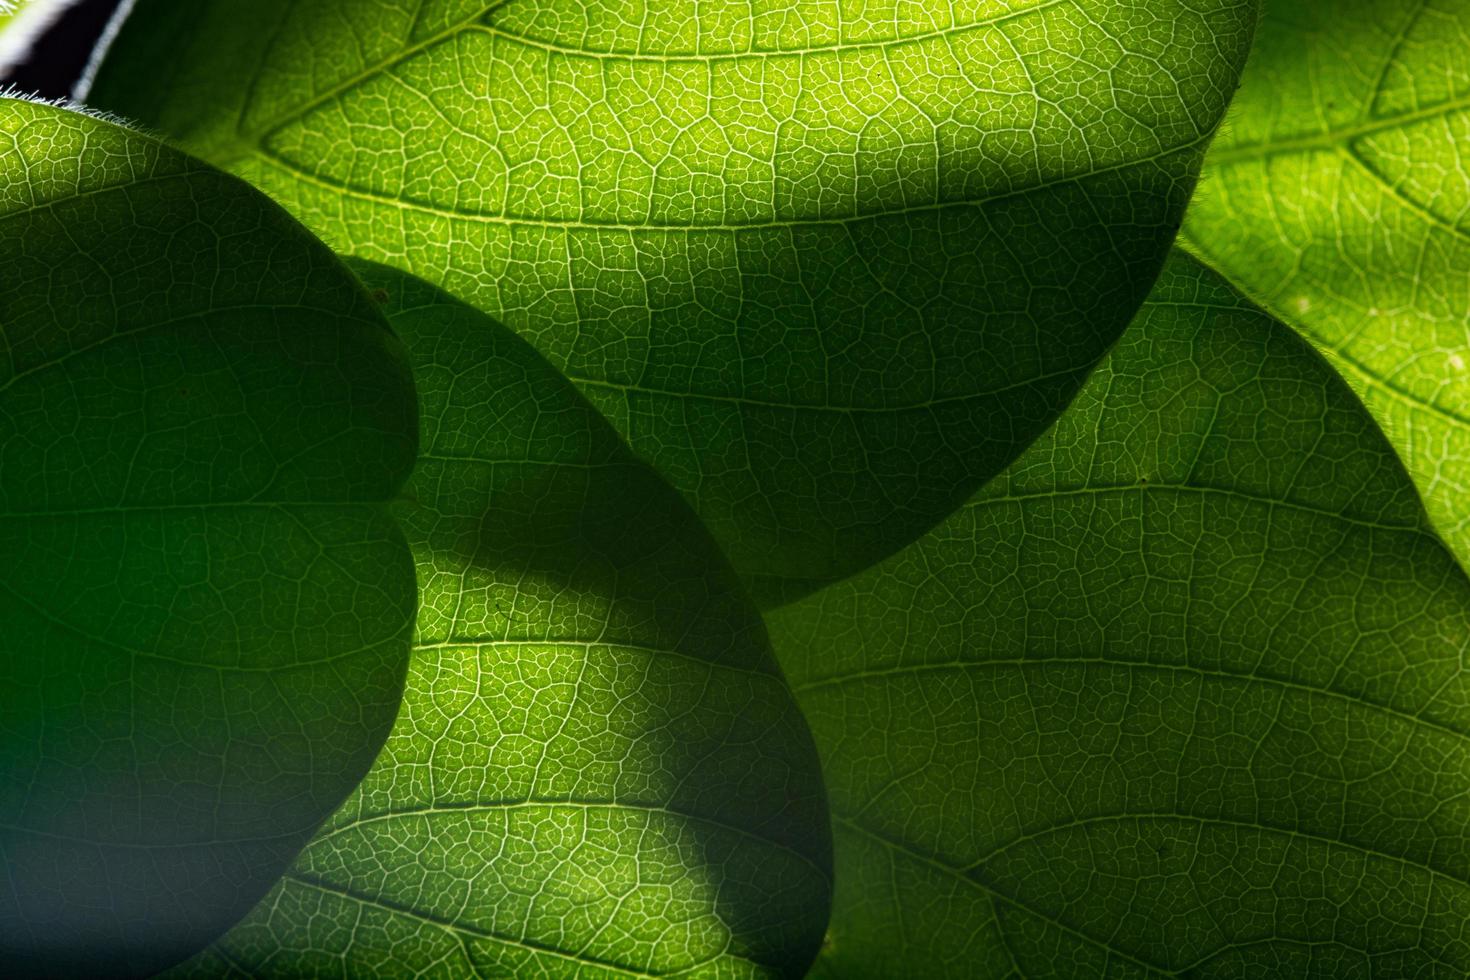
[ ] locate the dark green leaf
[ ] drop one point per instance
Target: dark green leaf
(205, 607)
(599, 770)
(1182, 694)
(829, 266)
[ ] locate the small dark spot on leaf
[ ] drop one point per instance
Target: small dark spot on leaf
(380, 296)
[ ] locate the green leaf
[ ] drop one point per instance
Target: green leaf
(1340, 201)
(1182, 694)
(205, 607)
(829, 266)
(599, 770)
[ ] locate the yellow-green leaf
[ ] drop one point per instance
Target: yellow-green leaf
(598, 770)
(1339, 199)
(829, 266)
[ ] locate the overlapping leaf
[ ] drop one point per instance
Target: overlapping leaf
(1182, 694)
(205, 608)
(1340, 199)
(599, 770)
(828, 266)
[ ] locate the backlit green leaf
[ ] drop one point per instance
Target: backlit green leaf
(829, 265)
(599, 770)
(205, 608)
(1340, 200)
(1182, 694)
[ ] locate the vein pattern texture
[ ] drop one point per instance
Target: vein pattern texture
(1182, 694)
(598, 770)
(206, 605)
(1340, 200)
(828, 266)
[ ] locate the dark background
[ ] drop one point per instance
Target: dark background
(60, 54)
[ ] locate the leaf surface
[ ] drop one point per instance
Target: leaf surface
(1182, 694)
(828, 266)
(1340, 200)
(599, 770)
(206, 607)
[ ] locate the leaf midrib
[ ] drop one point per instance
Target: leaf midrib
(904, 849)
(460, 929)
(770, 675)
(1356, 158)
(1417, 528)
(1331, 139)
(756, 54)
(769, 403)
(256, 136)
(49, 203)
(966, 875)
(1043, 662)
(571, 803)
(404, 203)
(1122, 816)
(1421, 528)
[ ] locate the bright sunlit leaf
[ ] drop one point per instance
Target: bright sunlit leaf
(1339, 198)
(829, 266)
